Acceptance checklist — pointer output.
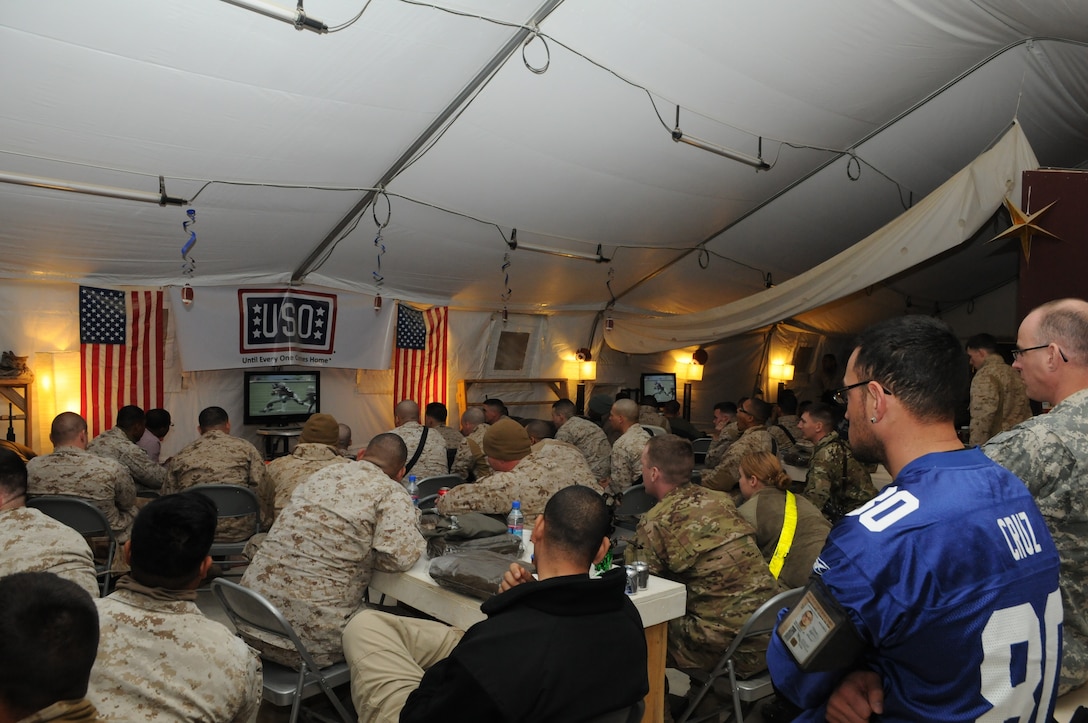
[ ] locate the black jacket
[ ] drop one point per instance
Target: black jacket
(565, 649)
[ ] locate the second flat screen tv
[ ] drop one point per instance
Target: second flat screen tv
(661, 385)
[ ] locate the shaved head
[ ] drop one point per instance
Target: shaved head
(387, 452)
(67, 426)
(406, 411)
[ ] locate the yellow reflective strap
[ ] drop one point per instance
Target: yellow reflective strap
(785, 540)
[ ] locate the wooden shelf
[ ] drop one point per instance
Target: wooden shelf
(558, 387)
(16, 391)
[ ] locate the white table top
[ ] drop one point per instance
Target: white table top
(662, 600)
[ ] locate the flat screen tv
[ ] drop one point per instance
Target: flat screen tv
(281, 399)
(662, 385)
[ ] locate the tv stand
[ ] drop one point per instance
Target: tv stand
(274, 437)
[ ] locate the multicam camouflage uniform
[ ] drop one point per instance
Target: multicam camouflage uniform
(766, 511)
(432, 462)
(548, 468)
(627, 458)
(287, 473)
(999, 399)
(34, 542)
(695, 536)
(218, 458)
(718, 447)
(726, 475)
(785, 432)
(115, 444)
(826, 487)
(1050, 454)
(79, 473)
(315, 563)
(160, 659)
(590, 440)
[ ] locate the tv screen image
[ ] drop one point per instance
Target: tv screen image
(661, 385)
(276, 399)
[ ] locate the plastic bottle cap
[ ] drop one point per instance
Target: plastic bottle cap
(516, 505)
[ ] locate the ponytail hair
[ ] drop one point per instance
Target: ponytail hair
(765, 467)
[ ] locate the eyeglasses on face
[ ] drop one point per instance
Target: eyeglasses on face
(840, 395)
(742, 410)
(1016, 353)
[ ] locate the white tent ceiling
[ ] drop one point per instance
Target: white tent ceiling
(276, 136)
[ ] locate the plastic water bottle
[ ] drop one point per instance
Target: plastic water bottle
(515, 521)
(413, 490)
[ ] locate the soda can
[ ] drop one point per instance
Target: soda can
(632, 580)
(643, 570)
(442, 491)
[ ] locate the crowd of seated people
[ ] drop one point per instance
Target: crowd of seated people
(895, 646)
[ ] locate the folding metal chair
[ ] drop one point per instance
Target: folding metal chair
(634, 503)
(654, 430)
(701, 446)
(283, 686)
(83, 517)
(232, 502)
(749, 690)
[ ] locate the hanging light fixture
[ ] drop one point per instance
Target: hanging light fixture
(296, 17)
(680, 137)
(95, 189)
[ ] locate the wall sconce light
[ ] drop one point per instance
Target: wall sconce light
(587, 371)
(378, 303)
(187, 295)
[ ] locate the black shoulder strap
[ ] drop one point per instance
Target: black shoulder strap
(788, 435)
(419, 451)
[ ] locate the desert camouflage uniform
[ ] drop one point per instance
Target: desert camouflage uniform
(695, 536)
(432, 462)
(474, 460)
(766, 512)
(160, 659)
(115, 444)
(103, 481)
(590, 440)
(287, 473)
(1050, 454)
(627, 458)
(451, 436)
(718, 447)
(726, 474)
(549, 468)
(825, 486)
(31, 541)
(999, 399)
(316, 561)
(650, 415)
(218, 458)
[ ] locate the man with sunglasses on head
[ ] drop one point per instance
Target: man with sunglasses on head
(938, 599)
(1050, 453)
(752, 416)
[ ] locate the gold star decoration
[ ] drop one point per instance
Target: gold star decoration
(1023, 227)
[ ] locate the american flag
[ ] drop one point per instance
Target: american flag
(420, 360)
(121, 348)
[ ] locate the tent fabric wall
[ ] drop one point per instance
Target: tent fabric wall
(944, 219)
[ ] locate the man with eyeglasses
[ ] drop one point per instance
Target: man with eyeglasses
(1050, 453)
(938, 599)
(752, 416)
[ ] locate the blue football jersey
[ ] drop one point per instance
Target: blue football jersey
(951, 580)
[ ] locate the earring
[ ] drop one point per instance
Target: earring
(872, 420)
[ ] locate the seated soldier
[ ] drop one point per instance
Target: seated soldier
(218, 458)
(71, 470)
(315, 563)
(765, 487)
(752, 415)
(677, 424)
(160, 658)
(48, 642)
(426, 451)
(520, 474)
(836, 482)
(579, 647)
(627, 449)
(472, 464)
(119, 443)
(31, 541)
(696, 536)
(316, 449)
(585, 435)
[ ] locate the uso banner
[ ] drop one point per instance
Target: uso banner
(229, 328)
